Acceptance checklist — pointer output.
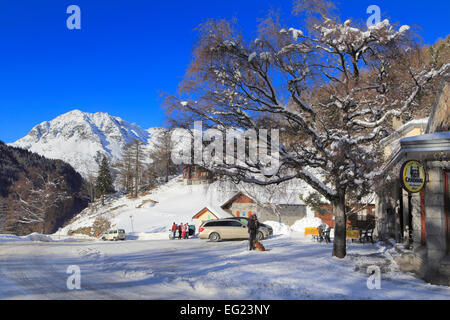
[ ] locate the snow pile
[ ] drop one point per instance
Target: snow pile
(308, 222)
(298, 228)
(39, 237)
(278, 227)
(31, 237)
(148, 235)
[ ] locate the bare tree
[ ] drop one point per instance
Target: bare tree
(89, 185)
(270, 197)
(35, 201)
(124, 169)
(132, 168)
(161, 155)
(332, 88)
(3, 215)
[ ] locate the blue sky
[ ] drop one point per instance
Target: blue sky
(128, 51)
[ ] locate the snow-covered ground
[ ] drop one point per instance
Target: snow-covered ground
(294, 268)
(35, 266)
(37, 237)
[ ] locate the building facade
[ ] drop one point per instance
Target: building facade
(241, 205)
(413, 196)
(210, 213)
(195, 174)
(363, 218)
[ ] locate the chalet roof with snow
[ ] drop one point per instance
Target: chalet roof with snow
(289, 198)
(218, 213)
(239, 195)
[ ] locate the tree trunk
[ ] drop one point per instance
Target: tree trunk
(397, 222)
(136, 186)
(339, 246)
(167, 171)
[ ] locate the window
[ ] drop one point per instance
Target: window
(221, 224)
(362, 216)
(244, 221)
(234, 223)
(211, 224)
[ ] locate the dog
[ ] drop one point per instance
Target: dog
(259, 246)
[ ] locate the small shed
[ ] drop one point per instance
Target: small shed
(210, 213)
(195, 174)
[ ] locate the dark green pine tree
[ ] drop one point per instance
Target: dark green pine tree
(104, 183)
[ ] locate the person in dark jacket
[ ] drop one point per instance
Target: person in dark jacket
(179, 230)
(187, 230)
(253, 226)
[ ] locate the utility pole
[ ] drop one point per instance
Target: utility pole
(131, 218)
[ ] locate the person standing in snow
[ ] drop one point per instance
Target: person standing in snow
(183, 230)
(180, 227)
(174, 229)
(187, 230)
(253, 226)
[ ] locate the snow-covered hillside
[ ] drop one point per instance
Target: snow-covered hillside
(176, 202)
(82, 139)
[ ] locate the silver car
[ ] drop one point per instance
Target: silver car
(228, 229)
(114, 235)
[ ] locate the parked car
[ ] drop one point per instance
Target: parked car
(245, 221)
(228, 229)
(191, 230)
(114, 235)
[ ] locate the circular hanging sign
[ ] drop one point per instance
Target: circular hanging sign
(412, 175)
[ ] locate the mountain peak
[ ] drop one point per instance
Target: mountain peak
(82, 138)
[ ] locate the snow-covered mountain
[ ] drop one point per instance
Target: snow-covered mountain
(81, 139)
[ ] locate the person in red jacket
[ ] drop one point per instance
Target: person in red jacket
(183, 230)
(174, 229)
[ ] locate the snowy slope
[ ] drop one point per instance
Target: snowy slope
(176, 203)
(81, 138)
